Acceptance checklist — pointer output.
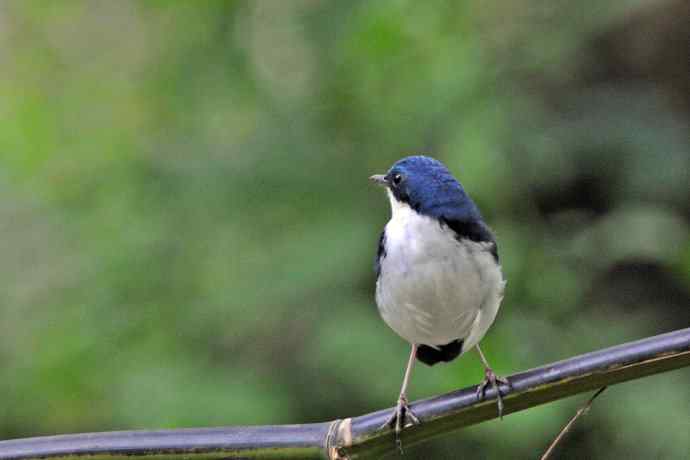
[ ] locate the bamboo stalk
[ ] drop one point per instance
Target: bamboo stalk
(360, 437)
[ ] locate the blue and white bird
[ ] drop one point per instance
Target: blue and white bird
(439, 283)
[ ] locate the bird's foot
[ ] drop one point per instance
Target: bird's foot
(490, 378)
(402, 416)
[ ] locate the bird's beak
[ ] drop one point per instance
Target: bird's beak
(379, 179)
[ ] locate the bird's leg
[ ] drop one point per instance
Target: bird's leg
(490, 378)
(402, 410)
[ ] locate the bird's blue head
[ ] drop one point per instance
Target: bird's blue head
(426, 185)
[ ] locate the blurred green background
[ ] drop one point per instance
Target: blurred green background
(187, 232)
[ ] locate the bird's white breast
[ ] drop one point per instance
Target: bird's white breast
(432, 288)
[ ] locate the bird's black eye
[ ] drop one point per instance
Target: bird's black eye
(397, 178)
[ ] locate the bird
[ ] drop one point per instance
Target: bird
(439, 283)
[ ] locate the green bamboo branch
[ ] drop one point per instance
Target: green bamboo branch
(360, 437)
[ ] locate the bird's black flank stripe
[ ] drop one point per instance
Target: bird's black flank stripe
(380, 254)
(473, 230)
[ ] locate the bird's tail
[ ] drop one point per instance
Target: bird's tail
(443, 353)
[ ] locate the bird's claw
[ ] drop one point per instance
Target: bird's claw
(490, 378)
(402, 416)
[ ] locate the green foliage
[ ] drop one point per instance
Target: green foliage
(188, 232)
